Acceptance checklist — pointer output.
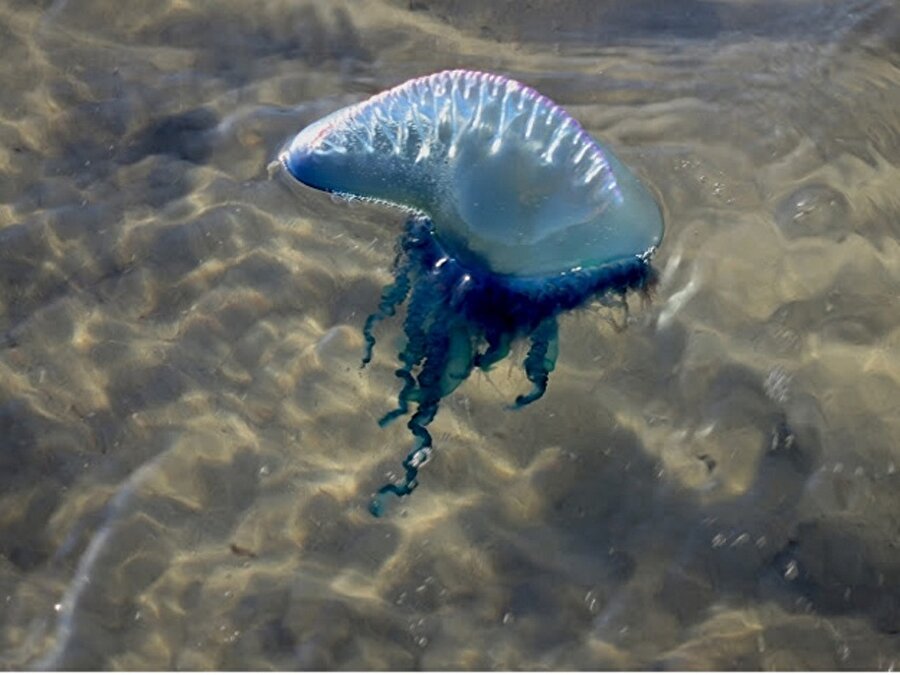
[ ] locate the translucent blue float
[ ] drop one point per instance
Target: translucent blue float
(515, 215)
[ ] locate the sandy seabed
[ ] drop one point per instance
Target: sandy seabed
(188, 444)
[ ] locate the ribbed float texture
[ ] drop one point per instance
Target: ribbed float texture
(507, 177)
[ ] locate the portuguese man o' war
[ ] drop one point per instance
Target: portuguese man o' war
(515, 215)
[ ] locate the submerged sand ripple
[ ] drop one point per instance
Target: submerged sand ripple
(188, 443)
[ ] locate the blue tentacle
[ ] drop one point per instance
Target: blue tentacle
(497, 349)
(392, 296)
(437, 356)
(541, 360)
(419, 318)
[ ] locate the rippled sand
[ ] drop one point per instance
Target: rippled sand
(188, 443)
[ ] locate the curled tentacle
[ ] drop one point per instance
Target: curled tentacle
(392, 296)
(541, 360)
(437, 355)
(407, 394)
(419, 319)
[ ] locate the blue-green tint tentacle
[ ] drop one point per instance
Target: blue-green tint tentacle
(540, 361)
(392, 296)
(419, 321)
(407, 394)
(460, 358)
(498, 348)
(438, 356)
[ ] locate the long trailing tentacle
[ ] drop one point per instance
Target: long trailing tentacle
(541, 360)
(437, 355)
(392, 296)
(406, 395)
(429, 382)
(419, 319)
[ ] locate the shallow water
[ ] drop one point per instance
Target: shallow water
(188, 443)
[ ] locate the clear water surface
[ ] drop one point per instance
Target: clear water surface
(187, 443)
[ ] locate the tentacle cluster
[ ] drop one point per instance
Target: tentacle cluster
(461, 317)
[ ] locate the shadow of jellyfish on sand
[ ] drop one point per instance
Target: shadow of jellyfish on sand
(515, 215)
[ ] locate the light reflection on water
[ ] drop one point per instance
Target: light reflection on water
(189, 444)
